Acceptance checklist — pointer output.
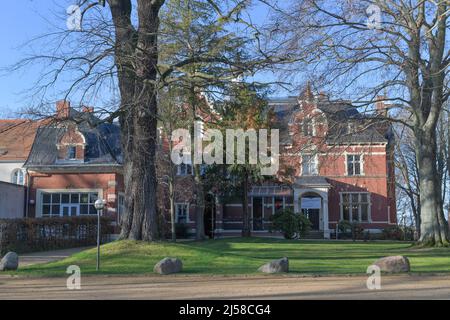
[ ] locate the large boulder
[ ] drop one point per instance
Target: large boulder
(168, 266)
(276, 266)
(9, 262)
(393, 264)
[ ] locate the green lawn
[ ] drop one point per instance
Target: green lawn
(244, 256)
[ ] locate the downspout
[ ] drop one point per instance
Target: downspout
(27, 197)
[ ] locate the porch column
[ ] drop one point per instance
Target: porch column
(326, 230)
(297, 204)
(219, 218)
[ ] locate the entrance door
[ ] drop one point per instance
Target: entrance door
(311, 209)
(69, 210)
(257, 214)
(314, 217)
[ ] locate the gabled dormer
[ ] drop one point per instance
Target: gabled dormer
(72, 145)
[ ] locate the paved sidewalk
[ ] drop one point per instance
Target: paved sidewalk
(219, 287)
(27, 259)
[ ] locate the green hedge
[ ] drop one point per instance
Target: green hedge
(32, 235)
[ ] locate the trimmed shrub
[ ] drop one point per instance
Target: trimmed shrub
(351, 230)
(393, 233)
(32, 235)
(290, 224)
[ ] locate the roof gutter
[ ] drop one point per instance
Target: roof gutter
(27, 193)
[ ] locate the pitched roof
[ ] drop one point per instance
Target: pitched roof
(16, 138)
(103, 145)
(338, 114)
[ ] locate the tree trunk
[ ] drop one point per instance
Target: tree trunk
(124, 49)
(245, 214)
(199, 204)
(172, 191)
(433, 231)
(172, 210)
(136, 54)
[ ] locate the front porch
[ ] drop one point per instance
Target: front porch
(311, 199)
(308, 196)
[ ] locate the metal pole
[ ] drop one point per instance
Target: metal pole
(98, 239)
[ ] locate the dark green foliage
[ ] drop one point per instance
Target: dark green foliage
(30, 235)
(181, 229)
(290, 224)
(394, 233)
(352, 230)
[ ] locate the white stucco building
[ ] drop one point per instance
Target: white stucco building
(16, 140)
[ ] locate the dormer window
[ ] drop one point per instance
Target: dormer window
(351, 127)
(71, 153)
(308, 128)
(71, 146)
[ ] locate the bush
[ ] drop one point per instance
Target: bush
(291, 225)
(344, 226)
(181, 230)
(393, 233)
(29, 235)
(349, 229)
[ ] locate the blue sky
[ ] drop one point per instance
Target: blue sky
(20, 22)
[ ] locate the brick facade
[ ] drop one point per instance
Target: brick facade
(367, 194)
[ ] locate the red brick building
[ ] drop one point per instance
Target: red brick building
(73, 162)
(336, 164)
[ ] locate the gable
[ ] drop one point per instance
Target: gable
(95, 145)
(289, 114)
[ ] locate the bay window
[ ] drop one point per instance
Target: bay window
(355, 207)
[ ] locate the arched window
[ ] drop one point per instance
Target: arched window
(17, 177)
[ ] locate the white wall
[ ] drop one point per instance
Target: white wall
(6, 169)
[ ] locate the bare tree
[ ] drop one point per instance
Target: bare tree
(367, 48)
(407, 177)
(116, 51)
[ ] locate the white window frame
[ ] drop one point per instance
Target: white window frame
(39, 203)
(361, 164)
(308, 121)
(69, 206)
(71, 147)
(352, 127)
(15, 179)
(177, 204)
(316, 164)
(369, 206)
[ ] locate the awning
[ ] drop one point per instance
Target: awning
(312, 181)
(270, 191)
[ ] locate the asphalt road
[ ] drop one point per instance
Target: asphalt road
(220, 287)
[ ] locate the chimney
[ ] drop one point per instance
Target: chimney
(308, 92)
(322, 96)
(88, 109)
(381, 107)
(62, 109)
